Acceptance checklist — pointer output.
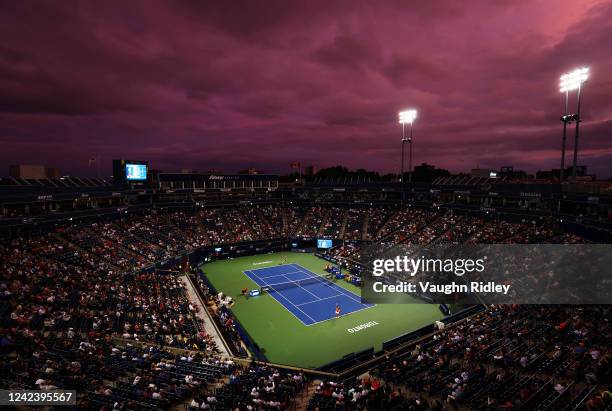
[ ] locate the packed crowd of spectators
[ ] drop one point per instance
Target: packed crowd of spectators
(81, 309)
(510, 357)
(420, 227)
(49, 296)
(241, 227)
(295, 218)
(77, 323)
(377, 219)
(365, 394)
(403, 224)
(136, 238)
(313, 221)
(507, 357)
(191, 227)
(259, 387)
(346, 251)
(86, 237)
(277, 220)
(354, 228)
(332, 226)
(211, 222)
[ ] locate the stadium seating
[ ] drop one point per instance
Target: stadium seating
(79, 312)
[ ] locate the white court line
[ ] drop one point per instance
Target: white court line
(345, 314)
(279, 275)
(298, 284)
(295, 306)
(344, 291)
(348, 293)
(263, 262)
(267, 278)
(286, 299)
(276, 275)
(321, 299)
(302, 270)
(267, 268)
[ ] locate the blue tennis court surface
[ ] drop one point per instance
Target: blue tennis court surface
(306, 295)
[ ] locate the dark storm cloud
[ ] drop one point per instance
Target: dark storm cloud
(227, 85)
(348, 51)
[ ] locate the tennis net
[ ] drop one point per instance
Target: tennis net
(298, 283)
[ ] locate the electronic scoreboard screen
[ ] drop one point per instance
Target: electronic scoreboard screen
(135, 172)
(324, 243)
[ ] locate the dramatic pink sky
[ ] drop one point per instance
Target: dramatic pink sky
(231, 84)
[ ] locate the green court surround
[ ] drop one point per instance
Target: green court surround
(285, 340)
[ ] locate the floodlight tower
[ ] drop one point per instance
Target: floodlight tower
(406, 117)
(569, 82)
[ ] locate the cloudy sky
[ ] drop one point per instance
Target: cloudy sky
(232, 84)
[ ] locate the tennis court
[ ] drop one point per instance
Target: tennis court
(308, 296)
(286, 340)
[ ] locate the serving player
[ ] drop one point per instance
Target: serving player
(338, 310)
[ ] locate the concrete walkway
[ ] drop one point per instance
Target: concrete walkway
(203, 315)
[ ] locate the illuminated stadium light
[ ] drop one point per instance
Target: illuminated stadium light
(569, 82)
(572, 81)
(407, 116)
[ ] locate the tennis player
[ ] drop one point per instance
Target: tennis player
(338, 310)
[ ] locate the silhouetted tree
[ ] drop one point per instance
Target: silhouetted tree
(426, 173)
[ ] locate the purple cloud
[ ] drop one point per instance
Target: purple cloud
(234, 84)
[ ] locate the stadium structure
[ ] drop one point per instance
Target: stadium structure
(192, 291)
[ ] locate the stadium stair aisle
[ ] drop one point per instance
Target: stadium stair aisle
(301, 403)
(265, 221)
(286, 226)
(301, 220)
(343, 224)
(364, 229)
(202, 230)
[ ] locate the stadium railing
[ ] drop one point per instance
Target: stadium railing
(408, 342)
(349, 359)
